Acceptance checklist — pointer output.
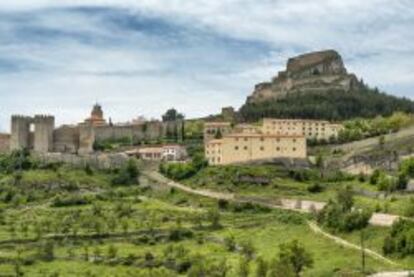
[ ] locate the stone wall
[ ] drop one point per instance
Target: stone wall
(20, 132)
(43, 133)
(100, 161)
(66, 139)
(4, 143)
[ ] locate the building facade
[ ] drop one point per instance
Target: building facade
(248, 147)
(311, 129)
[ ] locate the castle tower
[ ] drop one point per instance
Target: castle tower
(43, 134)
(97, 116)
(20, 132)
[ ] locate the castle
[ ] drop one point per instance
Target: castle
(39, 134)
(316, 71)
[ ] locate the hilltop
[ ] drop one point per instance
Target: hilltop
(318, 85)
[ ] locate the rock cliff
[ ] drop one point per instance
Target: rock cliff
(316, 71)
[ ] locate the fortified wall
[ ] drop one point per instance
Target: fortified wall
(38, 133)
(4, 143)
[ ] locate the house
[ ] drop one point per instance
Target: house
(168, 152)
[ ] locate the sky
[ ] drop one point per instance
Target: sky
(142, 57)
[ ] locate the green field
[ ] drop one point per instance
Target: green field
(63, 221)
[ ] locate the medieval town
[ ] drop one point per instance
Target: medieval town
(206, 138)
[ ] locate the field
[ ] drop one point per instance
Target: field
(74, 222)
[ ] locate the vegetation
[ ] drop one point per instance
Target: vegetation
(340, 216)
(331, 105)
(400, 240)
(127, 175)
(359, 128)
(58, 220)
(181, 171)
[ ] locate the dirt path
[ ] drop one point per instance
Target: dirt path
(232, 197)
(306, 206)
(347, 244)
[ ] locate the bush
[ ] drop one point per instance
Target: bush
(400, 239)
(69, 200)
(340, 215)
(127, 175)
(315, 188)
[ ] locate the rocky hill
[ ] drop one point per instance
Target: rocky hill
(317, 85)
(315, 71)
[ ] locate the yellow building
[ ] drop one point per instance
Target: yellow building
(246, 147)
(311, 129)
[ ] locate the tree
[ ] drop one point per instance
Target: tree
(294, 254)
(244, 267)
(345, 198)
(47, 251)
(112, 251)
(172, 115)
(248, 249)
(381, 141)
(213, 215)
(261, 267)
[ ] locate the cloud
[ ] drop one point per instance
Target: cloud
(141, 57)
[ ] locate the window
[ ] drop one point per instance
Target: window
(294, 149)
(277, 140)
(236, 148)
(236, 139)
(245, 148)
(245, 139)
(294, 140)
(261, 139)
(277, 148)
(261, 148)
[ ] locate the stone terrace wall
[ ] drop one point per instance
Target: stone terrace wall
(100, 161)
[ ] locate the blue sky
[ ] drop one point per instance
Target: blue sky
(142, 57)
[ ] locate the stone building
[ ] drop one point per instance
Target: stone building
(245, 147)
(38, 133)
(4, 142)
(97, 116)
(32, 132)
(311, 129)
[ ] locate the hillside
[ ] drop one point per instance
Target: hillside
(317, 85)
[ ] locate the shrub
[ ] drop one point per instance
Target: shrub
(69, 200)
(127, 175)
(400, 239)
(315, 188)
(340, 215)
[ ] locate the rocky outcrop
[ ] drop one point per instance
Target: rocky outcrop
(316, 71)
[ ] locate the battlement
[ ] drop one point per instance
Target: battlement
(21, 117)
(44, 119)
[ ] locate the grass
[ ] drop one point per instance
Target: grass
(151, 216)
